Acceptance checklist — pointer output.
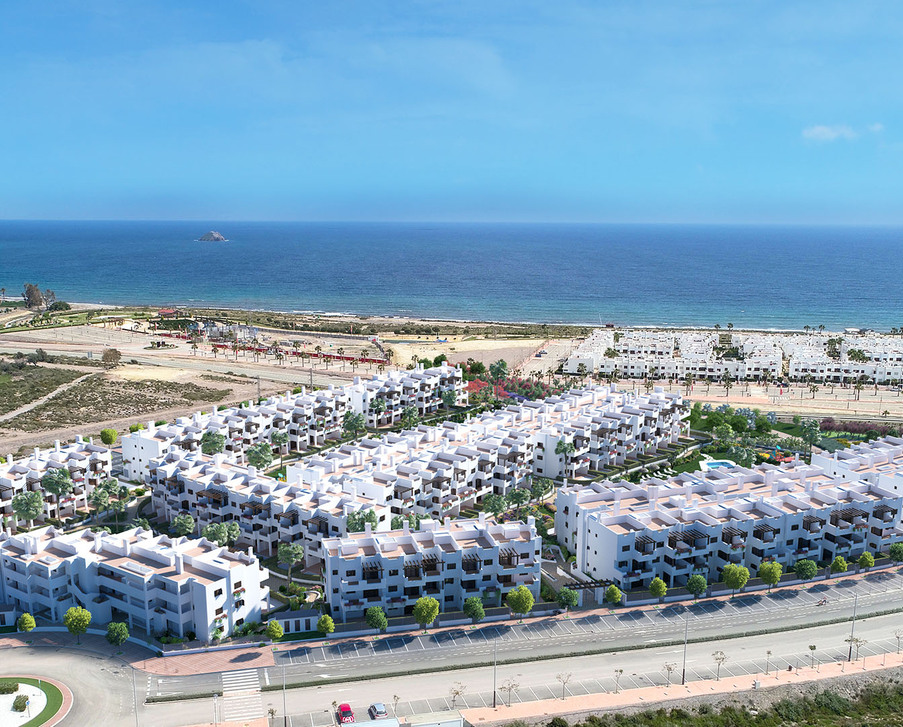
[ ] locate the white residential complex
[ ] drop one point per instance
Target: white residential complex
(152, 582)
(449, 561)
(89, 464)
(704, 355)
(709, 355)
(311, 419)
(268, 512)
(698, 522)
(438, 471)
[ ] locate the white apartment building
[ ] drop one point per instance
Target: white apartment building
(268, 512)
(152, 582)
(89, 464)
(438, 471)
(421, 388)
(312, 419)
(676, 354)
(698, 522)
(879, 462)
(449, 561)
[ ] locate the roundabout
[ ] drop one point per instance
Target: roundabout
(46, 702)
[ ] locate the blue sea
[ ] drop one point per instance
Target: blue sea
(751, 276)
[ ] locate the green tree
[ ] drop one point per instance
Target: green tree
(498, 371)
(473, 609)
(260, 455)
(117, 633)
(57, 482)
(274, 630)
(222, 533)
(805, 569)
(410, 418)
(182, 525)
(657, 588)
(99, 499)
(426, 609)
(353, 424)
(109, 436)
(356, 521)
(724, 434)
(734, 576)
(213, 442)
(325, 625)
(697, 584)
(77, 620)
(494, 504)
(280, 439)
(866, 560)
(377, 406)
(25, 623)
(771, 573)
(541, 487)
(376, 618)
(290, 554)
(839, 565)
(896, 552)
(613, 595)
(449, 397)
(567, 598)
(517, 498)
(520, 600)
(28, 506)
(566, 448)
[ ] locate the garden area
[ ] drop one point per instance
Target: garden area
(27, 702)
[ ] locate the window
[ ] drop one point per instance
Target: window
(451, 566)
(335, 572)
(218, 592)
(625, 548)
(349, 573)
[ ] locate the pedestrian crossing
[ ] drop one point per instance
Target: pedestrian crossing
(241, 695)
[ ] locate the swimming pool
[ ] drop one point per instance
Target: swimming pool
(714, 464)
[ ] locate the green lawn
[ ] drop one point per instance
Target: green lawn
(54, 701)
(794, 430)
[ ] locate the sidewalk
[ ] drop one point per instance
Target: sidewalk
(577, 708)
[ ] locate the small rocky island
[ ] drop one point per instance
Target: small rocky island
(212, 236)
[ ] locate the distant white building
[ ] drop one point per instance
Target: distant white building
(152, 582)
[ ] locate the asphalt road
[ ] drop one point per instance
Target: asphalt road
(550, 637)
(103, 686)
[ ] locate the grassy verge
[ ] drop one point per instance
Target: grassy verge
(54, 701)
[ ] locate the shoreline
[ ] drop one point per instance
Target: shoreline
(405, 319)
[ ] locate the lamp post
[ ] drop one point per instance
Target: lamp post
(135, 694)
(683, 676)
(215, 723)
(853, 626)
(495, 664)
(284, 712)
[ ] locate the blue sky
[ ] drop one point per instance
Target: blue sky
(459, 110)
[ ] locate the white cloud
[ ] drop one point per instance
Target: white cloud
(876, 128)
(829, 133)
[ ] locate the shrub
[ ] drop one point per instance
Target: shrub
(20, 703)
(139, 491)
(831, 702)
(8, 687)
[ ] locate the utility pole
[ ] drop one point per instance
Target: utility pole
(258, 387)
(853, 626)
(495, 664)
(683, 676)
(284, 711)
(215, 722)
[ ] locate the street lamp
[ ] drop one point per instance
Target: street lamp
(683, 676)
(135, 694)
(284, 712)
(495, 664)
(853, 626)
(215, 723)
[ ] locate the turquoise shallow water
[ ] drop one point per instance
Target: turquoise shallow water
(769, 277)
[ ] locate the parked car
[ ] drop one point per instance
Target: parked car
(378, 711)
(345, 714)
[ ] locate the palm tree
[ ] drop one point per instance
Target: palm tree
(28, 506)
(728, 381)
(341, 353)
(688, 382)
(280, 439)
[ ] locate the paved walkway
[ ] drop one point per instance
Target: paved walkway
(581, 706)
